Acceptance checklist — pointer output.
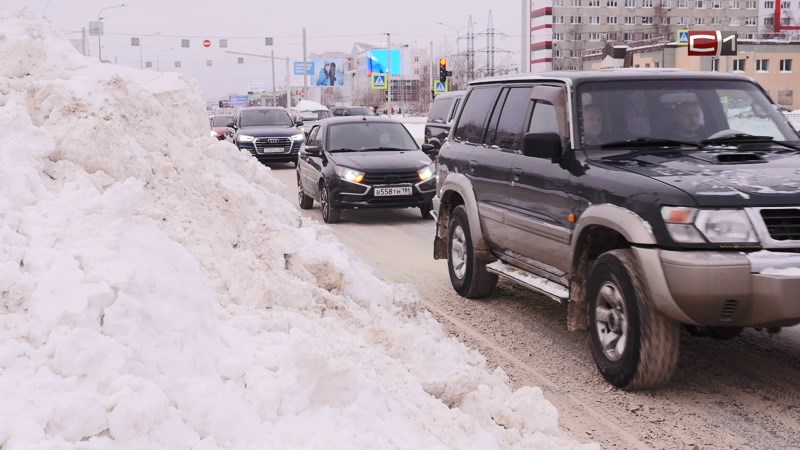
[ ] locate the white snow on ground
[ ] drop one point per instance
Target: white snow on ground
(415, 126)
(156, 291)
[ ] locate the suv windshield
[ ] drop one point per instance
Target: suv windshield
(370, 135)
(677, 110)
(360, 112)
(265, 117)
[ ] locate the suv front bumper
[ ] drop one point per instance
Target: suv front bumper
(724, 288)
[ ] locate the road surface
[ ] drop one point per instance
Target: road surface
(742, 394)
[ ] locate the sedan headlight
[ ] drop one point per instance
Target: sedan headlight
(692, 225)
(214, 133)
(298, 137)
(427, 172)
(351, 175)
(245, 138)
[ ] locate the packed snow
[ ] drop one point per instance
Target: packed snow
(156, 290)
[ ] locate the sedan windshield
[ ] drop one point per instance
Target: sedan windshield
(609, 113)
(370, 136)
(265, 117)
(220, 121)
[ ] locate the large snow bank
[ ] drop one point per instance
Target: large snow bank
(156, 291)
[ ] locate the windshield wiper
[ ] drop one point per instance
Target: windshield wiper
(744, 138)
(388, 148)
(649, 142)
(343, 149)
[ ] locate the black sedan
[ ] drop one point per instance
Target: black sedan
(364, 162)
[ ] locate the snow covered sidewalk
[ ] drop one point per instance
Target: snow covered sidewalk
(156, 291)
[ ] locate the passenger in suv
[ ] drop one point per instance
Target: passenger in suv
(639, 233)
(443, 111)
(266, 132)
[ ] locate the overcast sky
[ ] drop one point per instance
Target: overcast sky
(330, 26)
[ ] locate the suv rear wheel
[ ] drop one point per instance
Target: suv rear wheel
(468, 273)
(633, 345)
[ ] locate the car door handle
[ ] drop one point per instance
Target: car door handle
(516, 172)
(472, 165)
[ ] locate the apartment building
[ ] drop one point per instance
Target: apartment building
(564, 32)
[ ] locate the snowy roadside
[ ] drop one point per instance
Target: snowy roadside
(156, 290)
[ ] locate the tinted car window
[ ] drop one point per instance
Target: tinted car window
(313, 138)
(543, 119)
(264, 117)
(439, 110)
(511, 125)
(478, 105)
(454, 109)
(369, 135)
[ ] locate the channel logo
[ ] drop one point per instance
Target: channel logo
(712, 43)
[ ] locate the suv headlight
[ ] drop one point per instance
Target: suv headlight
(692, 225)
(427, 172)
(298, 137)
(351, 175)
(245, 138)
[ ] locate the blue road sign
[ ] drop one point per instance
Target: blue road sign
(440, 87)
(379, 81)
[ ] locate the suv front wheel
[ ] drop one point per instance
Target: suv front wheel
(468, 273)
(633, 345)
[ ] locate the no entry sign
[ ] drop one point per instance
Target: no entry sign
(206, 43)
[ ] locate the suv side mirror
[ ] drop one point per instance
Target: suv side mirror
(428, 148)
(299, 123)
(542, 145)
(435, 142)
(313, 151)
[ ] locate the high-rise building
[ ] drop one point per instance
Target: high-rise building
(563, 32)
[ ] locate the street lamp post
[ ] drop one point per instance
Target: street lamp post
(141, 44)
(100, 36)
(158, 58)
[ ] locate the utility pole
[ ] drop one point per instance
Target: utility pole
(272, 57)
(389, 75)
(305, 65)
(288, 86)
(431, 68)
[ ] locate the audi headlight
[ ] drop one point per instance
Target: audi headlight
(351, 175)
(298, 137)
(692, 225)
(427, 172)
(245, 138)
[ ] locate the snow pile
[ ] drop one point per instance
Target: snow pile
(157, 292)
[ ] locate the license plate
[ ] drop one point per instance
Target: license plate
(272, 150)
(392, 191)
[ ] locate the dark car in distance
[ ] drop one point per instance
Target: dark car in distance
(364, 162)
(268, 133)
(443, 111)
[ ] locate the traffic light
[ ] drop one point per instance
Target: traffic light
(442, 70)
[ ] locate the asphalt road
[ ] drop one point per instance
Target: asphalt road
(738, 394)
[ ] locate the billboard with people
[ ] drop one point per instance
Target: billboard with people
(322, 72)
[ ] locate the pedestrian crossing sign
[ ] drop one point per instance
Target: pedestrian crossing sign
(683, 37)
(379, 81)
(440, 87)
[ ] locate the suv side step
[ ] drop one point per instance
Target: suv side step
(534, 282)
